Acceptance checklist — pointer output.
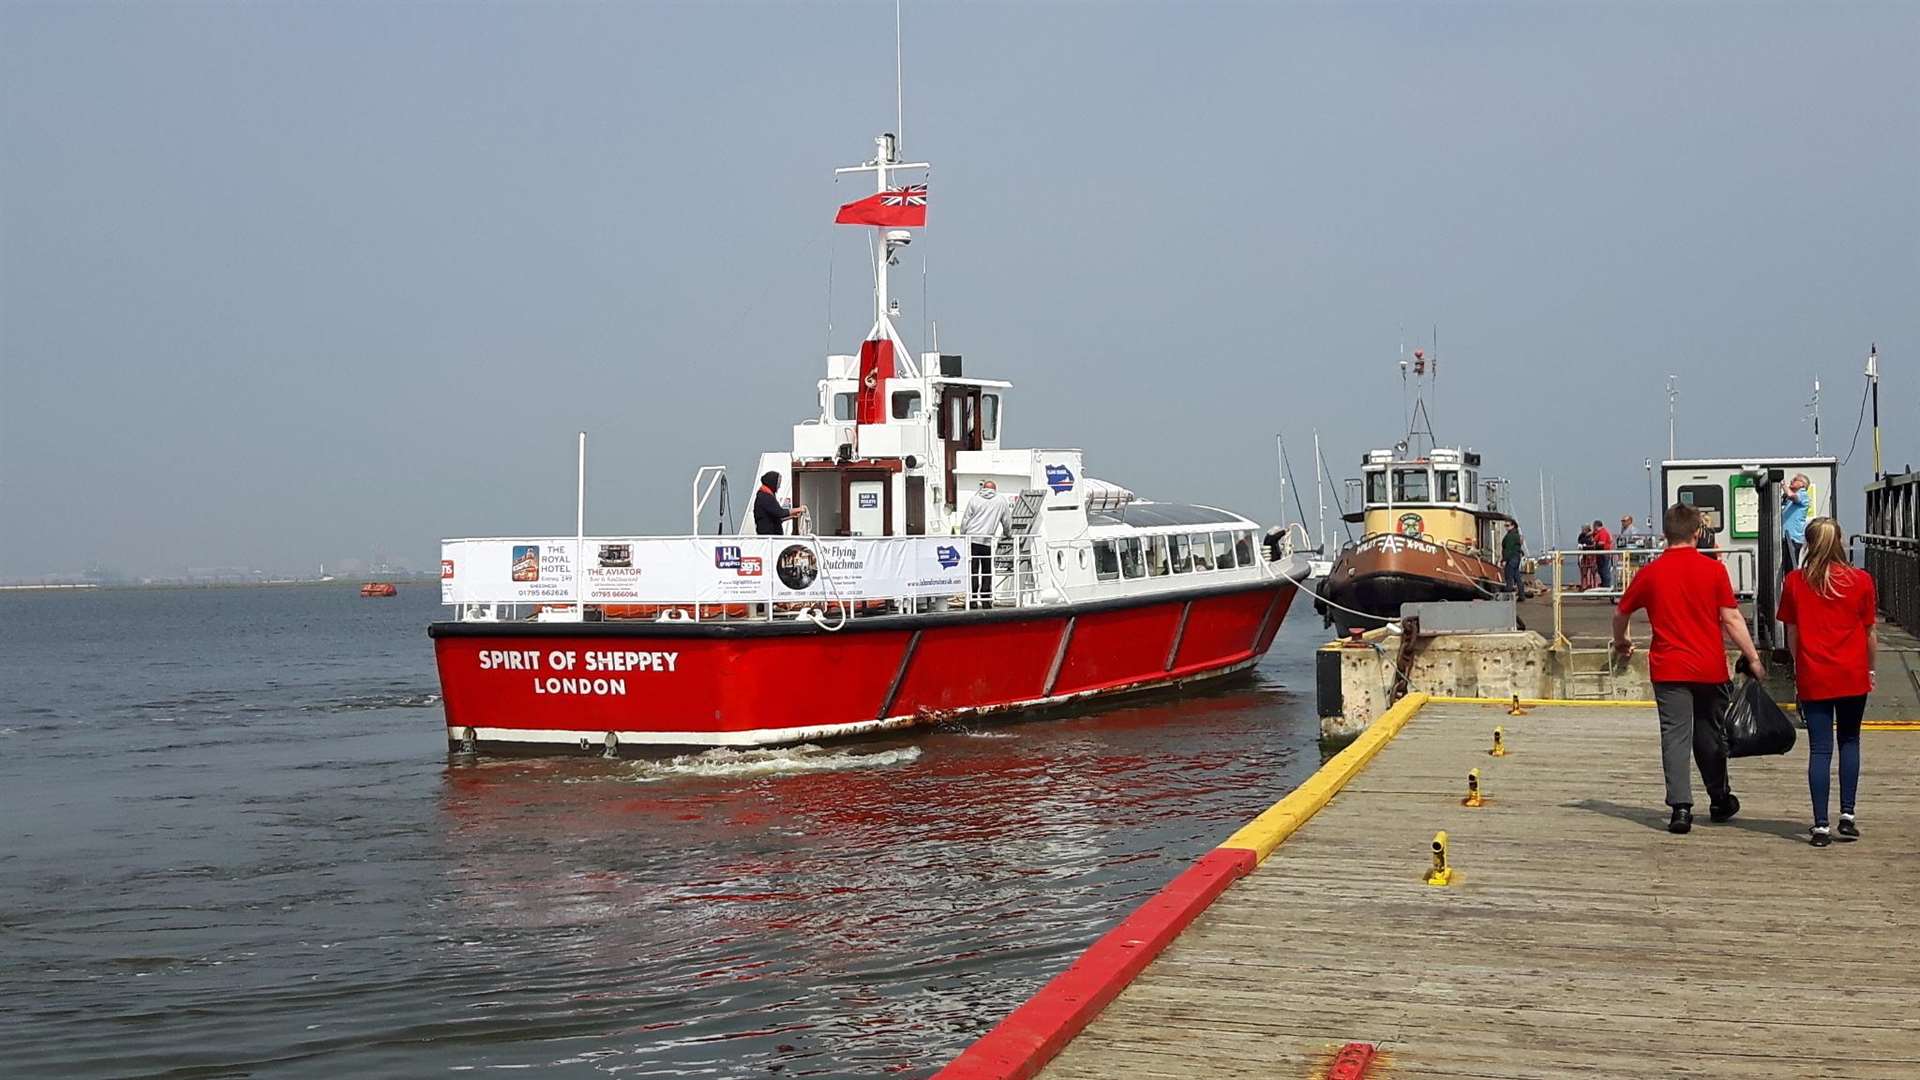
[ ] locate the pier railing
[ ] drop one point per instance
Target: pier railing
(1891, 546)
(1623, 564)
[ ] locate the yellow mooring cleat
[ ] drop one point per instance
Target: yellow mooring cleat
(1441, 873)
(1499, 743)
(1473, 789)
(1515, 709)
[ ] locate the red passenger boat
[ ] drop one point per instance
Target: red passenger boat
(935, 573)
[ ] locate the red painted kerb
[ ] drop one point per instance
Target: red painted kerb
(1040, 1029)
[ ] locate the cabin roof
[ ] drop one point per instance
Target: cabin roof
(1147, 515)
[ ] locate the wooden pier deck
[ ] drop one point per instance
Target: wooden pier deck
(1580, 938)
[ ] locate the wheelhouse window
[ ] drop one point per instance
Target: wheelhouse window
(1106, 561)
(843, 406)
(906, 404)
(1243, 547)
(1223, 550)
(1448, 482)
(990, 416)
(1157, 563)
(1410, 485)
(1473, 486)
(1131, 564)
(1202, 551)
(1182, 554)
(1377, 487)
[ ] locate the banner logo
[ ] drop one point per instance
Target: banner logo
(797, 567)
(749, 566)
(616, 555)
(526, 562)
(726, 557)
(446, 569)
(948, 555)
(1060, 479)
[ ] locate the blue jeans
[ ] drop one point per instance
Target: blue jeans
(1823, 718)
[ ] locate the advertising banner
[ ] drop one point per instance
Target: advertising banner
(701, 569)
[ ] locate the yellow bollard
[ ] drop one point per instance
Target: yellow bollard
(1515, 709)
(1499, 743)
(1474, 797)
(1442, 871)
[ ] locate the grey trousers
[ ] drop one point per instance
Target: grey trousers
(1690, 724)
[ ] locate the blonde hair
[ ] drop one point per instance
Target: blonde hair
(1826, 551)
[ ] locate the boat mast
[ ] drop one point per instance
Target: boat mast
(1320, 490)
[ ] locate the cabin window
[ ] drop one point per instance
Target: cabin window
(1182, 554)
(1223, 550)
(1202, 552)
(1131, 564)
(1243, 548)
(843, 406)
(990, 416)
(1473, 486)
(1449, 484)
(1106, 561)
(906, 404)
(1376, 487)
(1410, 485)
(1157, 564)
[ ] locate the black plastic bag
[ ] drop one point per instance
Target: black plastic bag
(1754, 725)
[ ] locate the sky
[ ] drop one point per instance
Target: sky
(292, 282)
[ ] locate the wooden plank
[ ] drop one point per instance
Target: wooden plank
(1581, 940)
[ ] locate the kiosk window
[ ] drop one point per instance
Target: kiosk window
(1710, 500)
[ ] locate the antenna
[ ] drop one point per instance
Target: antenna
(899, 82)
(1673, 395)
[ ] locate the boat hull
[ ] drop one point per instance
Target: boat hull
(1385, 571)
(546, 687)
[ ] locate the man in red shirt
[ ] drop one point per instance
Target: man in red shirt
(1689, 602)
(1603, 540)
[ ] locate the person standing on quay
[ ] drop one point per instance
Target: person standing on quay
(1828, 607)
(1512, 547)
(1603, 542)
(1690, 603)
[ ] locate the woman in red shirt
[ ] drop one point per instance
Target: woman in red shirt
(1828, 607)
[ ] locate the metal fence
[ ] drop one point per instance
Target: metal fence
(1891, 546)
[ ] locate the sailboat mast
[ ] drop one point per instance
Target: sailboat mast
(1320, 489)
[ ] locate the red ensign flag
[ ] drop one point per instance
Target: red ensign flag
(901, 208)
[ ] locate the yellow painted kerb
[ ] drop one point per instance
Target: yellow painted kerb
(1268, 831)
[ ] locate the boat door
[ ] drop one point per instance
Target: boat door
(866, 510)
(958, 427)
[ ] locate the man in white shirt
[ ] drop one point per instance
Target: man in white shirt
(984, 519)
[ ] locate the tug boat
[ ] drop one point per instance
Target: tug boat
(379, 589)
(1433, 524)
(878, 611)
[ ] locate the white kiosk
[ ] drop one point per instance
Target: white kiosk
(1727, 494)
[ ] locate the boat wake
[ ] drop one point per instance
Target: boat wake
(772, 761)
